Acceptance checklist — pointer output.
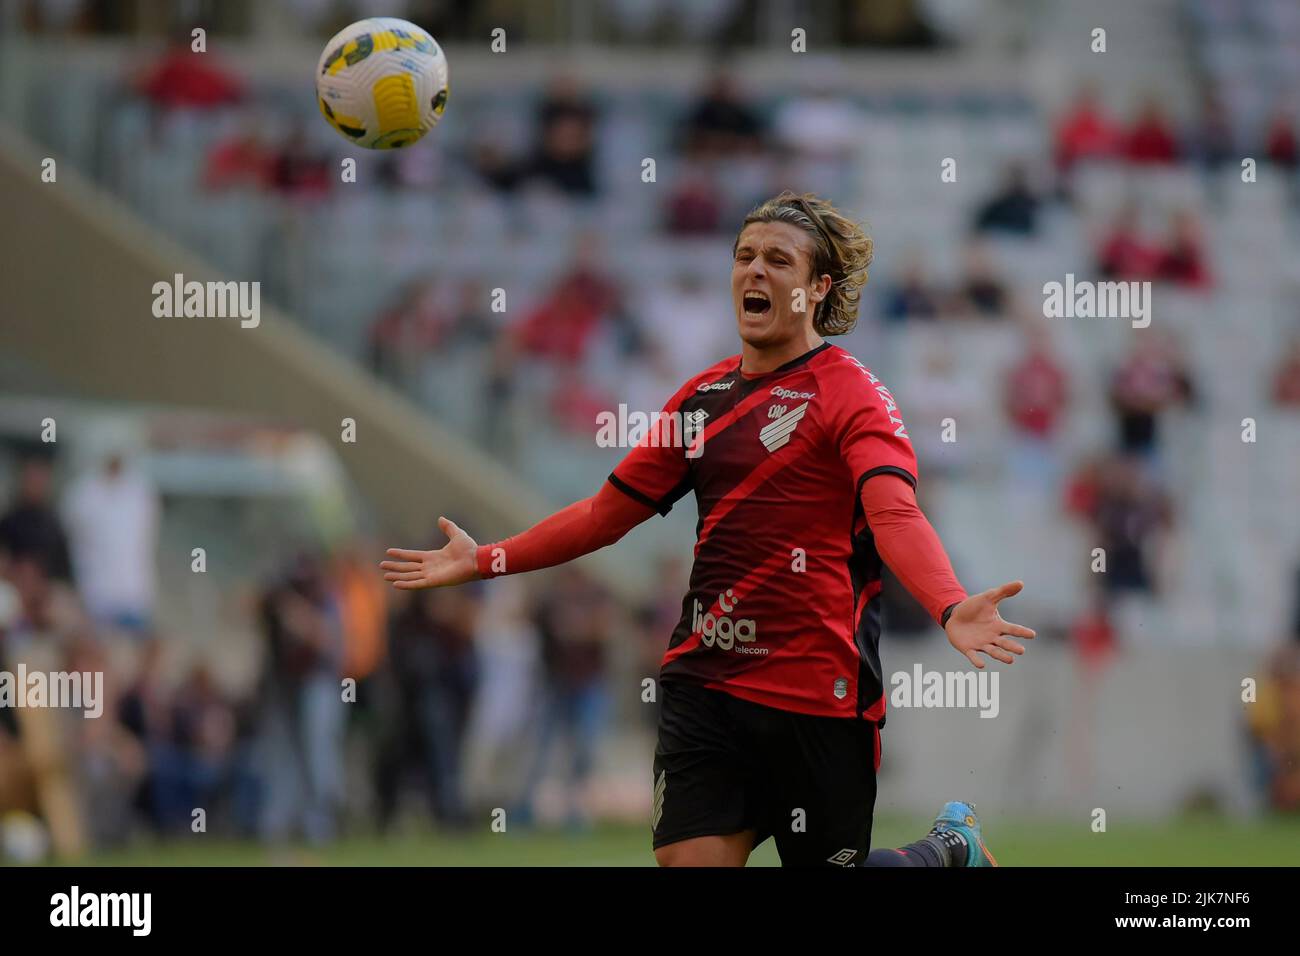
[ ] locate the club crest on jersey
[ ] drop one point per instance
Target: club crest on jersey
(776, 434)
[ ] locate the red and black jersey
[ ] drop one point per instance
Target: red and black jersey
(783, 608)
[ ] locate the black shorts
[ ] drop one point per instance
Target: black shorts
(723, 765)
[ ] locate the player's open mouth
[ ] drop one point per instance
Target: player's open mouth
(756, 303)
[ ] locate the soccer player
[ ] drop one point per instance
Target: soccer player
(805, 478)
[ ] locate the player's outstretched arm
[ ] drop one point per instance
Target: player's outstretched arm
(907, 542)
(582, 527)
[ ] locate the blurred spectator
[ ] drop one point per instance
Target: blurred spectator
(1085, 132)
(912, 295)
(1151, 140)
(363, 603)
(299, 169)
(1128, 513)
(1013, 209)
(113, 517)
(242, 160)
(31, 528)
(408, 331)
(184, 79)
(721, 124)
(506, 646)
(494, 166)
(694, 205)
(574, 618)
(1151, 380)
(1124, 252)
(1286, 380)
(1092, 635)
(302, 716)
(39, 623)
(189, 735)
(563, 324)
(1280, 144)
(437, 673)
(144, 712)
(1214, 140)
(564, 157)
(1183, 259)
(1273, 722)
(1035, 396)
(981, 289)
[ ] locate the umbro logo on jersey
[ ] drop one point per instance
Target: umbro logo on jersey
(777, 434)
(844, 857)
(696, 418)
(714, 386)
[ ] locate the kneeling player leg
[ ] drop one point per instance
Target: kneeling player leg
(822, 778)
(927, 852)
(699, 812)
(729, 850)
(954, 840)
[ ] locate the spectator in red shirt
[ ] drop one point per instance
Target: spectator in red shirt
(183, 79)
(1183, 260)
(1280, 141)
(1036, 389)
(299, 169)
(562, 326)
(695, 204)
(1286, 381)
(1124, 253)
(242, 160)
(1035, 398)
(1151, 141)
(1085, 132)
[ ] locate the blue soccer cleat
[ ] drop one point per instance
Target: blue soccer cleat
(958, 817)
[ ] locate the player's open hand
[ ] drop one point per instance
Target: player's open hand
(451, 564)
(975, 627)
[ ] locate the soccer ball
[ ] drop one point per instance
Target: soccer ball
(382, 83)
(23, 838)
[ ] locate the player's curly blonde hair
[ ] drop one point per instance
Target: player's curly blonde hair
(841, 249)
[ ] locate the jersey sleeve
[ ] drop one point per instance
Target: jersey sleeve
(868, 427)
(656, 472)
